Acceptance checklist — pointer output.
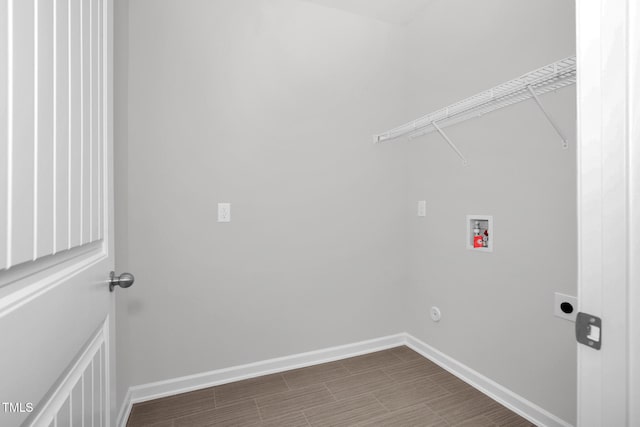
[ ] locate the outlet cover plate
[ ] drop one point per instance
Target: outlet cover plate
(559, 300)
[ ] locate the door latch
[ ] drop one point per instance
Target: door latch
(589, 330)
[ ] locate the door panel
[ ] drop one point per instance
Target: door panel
(4, 63)
(85, 122)
(52, 105)
(47, 331)
(77, 396)
(95, 124)
(20, 206)
(64, 416)
(44, 159)
(55, 195)
(75, 123)
(62, 126)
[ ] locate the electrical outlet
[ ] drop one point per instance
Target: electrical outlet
(565, 306)
(435, 314)
(224, 212)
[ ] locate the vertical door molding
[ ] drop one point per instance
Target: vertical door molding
(634, 212)
(606, 218)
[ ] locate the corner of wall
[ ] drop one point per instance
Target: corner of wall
(121, 111)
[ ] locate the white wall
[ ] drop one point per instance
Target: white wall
(121, 179)
(497, 309)
(269, 105)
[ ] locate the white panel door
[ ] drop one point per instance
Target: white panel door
(56, 232)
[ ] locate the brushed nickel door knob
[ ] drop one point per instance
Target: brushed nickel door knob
(124, 280)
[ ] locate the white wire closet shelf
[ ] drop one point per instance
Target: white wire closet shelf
(528, 86)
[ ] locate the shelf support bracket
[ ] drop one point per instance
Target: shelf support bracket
(565, 143)
(451, 144)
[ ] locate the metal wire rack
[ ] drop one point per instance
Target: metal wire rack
(528, 86)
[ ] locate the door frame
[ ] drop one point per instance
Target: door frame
(108, 135)
(608, 101)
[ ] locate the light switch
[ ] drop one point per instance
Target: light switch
(224, 212)
(422, 208)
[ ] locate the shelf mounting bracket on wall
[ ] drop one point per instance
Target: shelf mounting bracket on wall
(451, 144)
(565, 143)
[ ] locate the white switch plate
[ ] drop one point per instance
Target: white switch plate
(422, 208)
(559, 299)
(224, 212)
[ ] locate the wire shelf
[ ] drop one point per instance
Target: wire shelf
(546, 79)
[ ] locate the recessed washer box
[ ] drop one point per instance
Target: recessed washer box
(484, 223)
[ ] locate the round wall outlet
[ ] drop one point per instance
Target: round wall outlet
(435, 314)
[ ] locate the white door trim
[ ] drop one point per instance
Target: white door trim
(607, 162)
(634, 211)
(108, 206)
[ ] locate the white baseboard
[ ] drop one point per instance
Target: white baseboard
(125, 410)
(502, 395)
(145, 392)
(497, 392)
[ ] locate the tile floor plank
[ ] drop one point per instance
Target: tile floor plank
(280, 404)
(479, 421)
(366, 362)
(345, 412)
(410, 371)
(239, 414)
(502, 416)
(294, 419)
(405, 394)
(164, 409)
(356, 384)
(168, 423)
(406, 354)
(456, 408)
(315, 374)
(447, 403)
(249, 389)
(412, 416)
(449, 382)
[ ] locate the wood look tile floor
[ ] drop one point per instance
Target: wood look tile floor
(395, 387)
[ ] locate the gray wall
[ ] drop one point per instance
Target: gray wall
(121, 165)
(269, 105)
(497, 308)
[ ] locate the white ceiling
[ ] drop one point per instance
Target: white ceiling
(391, 11)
